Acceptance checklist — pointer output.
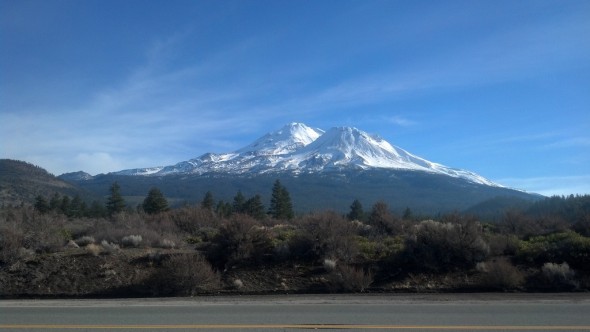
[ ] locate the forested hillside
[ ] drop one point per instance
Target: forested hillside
(21, 182)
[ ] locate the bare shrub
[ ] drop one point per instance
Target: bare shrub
(187, 274)
(383, 221)
(329, 264)
(72, 245)
(131, 240)
(519, 224)
(241, 240)
(332, 235)
(237, 283)
(93, 249)
(302, 246)
(25, 254)
(155, 257)
(502, 244)
(190, 219)
(26, 228)
(109, 247)
(446, 245)
(349, 279)
(481, 267)
(49, 232)
(150, 231)
(559, 274)
(162, 224)
(12, 238)
(166, 244)
(84, 241)
(500, 274)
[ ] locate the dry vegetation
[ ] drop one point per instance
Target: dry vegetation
(192, 250)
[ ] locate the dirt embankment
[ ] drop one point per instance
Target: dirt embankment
(135, 272)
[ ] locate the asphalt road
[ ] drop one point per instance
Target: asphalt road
(447, 312)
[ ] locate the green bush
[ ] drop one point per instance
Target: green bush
(379, 249)
(569, 247)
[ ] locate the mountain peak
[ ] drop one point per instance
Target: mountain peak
(283, 141)
(349, 146)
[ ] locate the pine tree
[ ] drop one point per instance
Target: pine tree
(223, 209)
(254, 207)
(55, 202)
(65, 205)
(287, 204)
(408, 215)
(96, 210)
(356, 211)
(115, 202)
(239, 202)
(208, 202)
(280, 202)
(155, 202)
(76, 207)
(41, 204)
(83, 209)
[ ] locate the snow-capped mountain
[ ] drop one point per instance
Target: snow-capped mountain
(286, 140)
(297, 148)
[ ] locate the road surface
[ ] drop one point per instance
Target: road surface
(441, 312)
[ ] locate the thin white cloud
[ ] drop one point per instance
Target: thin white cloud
(530, 137)
(551, 185)
(401, 121)
(515, 54)
(571, 142)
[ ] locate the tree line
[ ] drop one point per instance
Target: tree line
(281, 206)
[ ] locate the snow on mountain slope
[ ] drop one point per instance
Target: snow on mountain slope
(345, 146)
(286, 140)
(298, 148)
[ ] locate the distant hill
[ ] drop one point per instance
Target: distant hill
(494, 209)
(21, 182)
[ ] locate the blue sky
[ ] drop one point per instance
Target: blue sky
(501, 88)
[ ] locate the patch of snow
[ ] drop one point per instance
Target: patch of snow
(283, 141)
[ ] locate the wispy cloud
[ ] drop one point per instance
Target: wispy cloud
(163, 113)
(571, 142)
(551, 185)
(509, 55)
(399, 120)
